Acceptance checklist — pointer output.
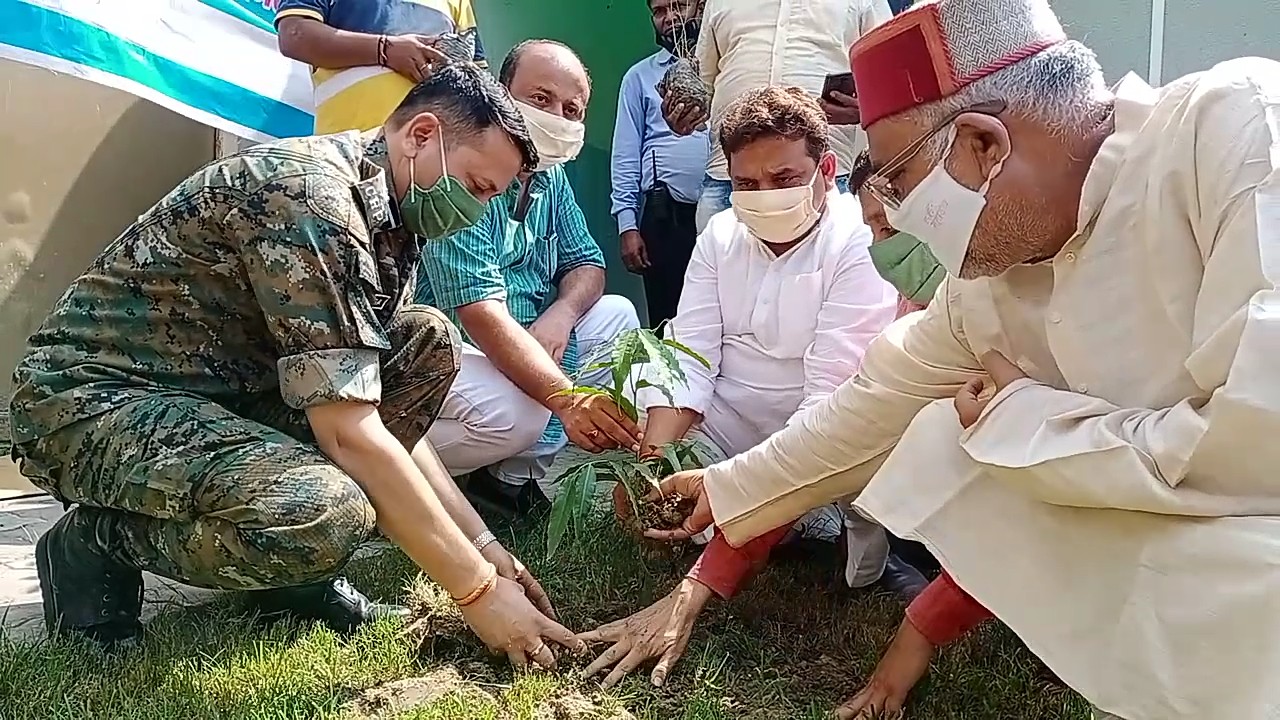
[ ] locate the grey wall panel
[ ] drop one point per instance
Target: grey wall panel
(1200, 33)
(1119, 31)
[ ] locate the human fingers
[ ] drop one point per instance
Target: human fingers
(624, 668)
(607, 658)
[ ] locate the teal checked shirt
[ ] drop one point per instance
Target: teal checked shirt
(519, 263)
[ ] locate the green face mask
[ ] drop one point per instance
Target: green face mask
(441, 210)
(909, 266)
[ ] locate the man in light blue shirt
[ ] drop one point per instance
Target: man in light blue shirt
(657, 174)
(525, 285)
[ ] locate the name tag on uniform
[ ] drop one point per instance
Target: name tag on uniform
(373, 197)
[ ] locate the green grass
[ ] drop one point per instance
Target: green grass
(791, 646)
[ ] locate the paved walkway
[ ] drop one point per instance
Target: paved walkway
(22, 520)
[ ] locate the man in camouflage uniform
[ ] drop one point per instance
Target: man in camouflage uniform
(238, 381)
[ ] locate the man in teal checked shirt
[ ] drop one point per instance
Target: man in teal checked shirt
(526, 286)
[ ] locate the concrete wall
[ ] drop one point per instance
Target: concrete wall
(1187, 35)
(78, 162)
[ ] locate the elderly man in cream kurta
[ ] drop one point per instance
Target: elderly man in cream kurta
(1117, 502)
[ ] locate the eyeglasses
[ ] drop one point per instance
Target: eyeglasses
(879, 182)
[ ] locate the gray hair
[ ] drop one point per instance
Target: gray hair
(1062, 88)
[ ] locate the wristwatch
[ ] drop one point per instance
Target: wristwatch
(484, 540)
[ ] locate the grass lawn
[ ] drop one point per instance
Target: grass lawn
(789, 647)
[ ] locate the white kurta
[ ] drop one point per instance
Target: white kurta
(1121, 510)
(779, 332)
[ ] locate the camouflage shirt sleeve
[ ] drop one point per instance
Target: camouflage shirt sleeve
(306, 251)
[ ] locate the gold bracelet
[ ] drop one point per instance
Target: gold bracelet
(490, 580)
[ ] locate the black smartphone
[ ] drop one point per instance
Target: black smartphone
(839, 82)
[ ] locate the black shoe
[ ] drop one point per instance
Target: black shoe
(491, 495)
(85, 592)
(334, 603)
(902, 578)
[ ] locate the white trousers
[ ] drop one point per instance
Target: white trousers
(487, 421)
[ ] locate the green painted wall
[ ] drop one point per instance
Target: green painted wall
(610, 36)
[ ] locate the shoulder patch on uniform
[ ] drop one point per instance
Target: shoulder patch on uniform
(331, 199)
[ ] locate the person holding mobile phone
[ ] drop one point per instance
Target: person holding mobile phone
(839, 99)
(746, 45)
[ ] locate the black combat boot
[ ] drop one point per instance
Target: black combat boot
(85, 591)
(502, 499)
(333, 602)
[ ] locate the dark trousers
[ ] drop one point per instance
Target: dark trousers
(670, 232)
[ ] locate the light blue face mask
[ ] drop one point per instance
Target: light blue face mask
(908, 265)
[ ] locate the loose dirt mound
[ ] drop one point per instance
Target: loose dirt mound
(396, 698)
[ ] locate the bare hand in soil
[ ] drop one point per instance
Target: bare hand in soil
(595, 424)
(885, 694)
(414, 56)
(685, 486)
(510, 567)
(507, 622)
(841, 109)
(684, 119)
(659, 631)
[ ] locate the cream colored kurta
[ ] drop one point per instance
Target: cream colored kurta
(1121, 509)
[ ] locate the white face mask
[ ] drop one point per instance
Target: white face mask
(942, 212)
(777, 216)
(557, 140)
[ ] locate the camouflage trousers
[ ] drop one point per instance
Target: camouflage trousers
(236, 496)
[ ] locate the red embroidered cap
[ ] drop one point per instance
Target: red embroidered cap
(937, 47)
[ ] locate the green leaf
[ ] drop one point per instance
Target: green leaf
(626, 354)
(628, 407)
(663, 365)
(602, 365)
(579, 390)
(688, 460)
(642, 384)
(673, 460)
(702, 452)
(562, 510)
(686, 350)
(586, 497)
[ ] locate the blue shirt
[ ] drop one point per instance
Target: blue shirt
(645, 149)
(519, 263)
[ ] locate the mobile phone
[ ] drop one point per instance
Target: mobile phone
(838, 82)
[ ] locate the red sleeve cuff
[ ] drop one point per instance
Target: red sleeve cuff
(724, 569)
(944, 613)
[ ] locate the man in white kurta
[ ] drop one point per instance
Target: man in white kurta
(781, 299)
(1122, 256)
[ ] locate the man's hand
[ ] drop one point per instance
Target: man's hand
(682, 119)
(510, 567)
(976, 394)
(634, 253)
(594, 423)
(885, 694)
(414, 56)
(841, 109)
(552, 330)
(506, 622)
(687, 484)
(970, 402)
(659, 631)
